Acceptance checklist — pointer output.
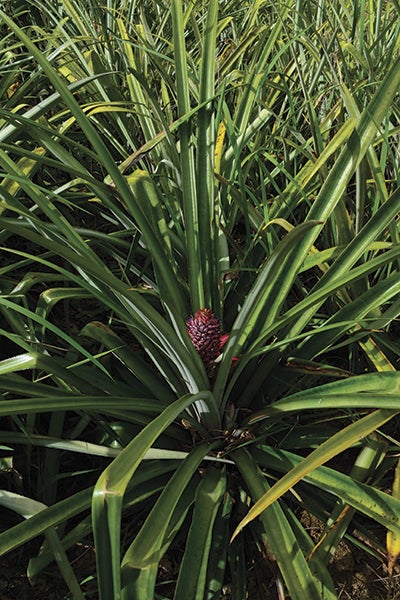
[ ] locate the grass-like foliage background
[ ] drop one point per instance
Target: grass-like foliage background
(200, 282)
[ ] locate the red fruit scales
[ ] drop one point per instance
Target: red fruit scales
(204, 330)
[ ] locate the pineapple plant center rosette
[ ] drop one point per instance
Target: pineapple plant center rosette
(205, 159)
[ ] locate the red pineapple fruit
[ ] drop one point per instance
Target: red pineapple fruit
(204, 330)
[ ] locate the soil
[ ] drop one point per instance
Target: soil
(357, 576)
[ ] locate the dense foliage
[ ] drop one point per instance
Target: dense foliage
(199, 286)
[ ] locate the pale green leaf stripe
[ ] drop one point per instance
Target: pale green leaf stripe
(327, 450)
(89, 448)
(20, 362)
(368, 382)
(137, 93)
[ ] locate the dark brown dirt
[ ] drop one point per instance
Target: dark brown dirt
(357, 576)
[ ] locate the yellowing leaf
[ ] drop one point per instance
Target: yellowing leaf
(392, 538)
(219, 143)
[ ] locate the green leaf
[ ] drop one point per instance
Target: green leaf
(187, 166)
(264, 299)
(149, 544)
(208, 217)
(366, 499)
(393, 537)
(109, 491)
(332, 447)
(280, 539)
(371, 390)
(196, 559)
